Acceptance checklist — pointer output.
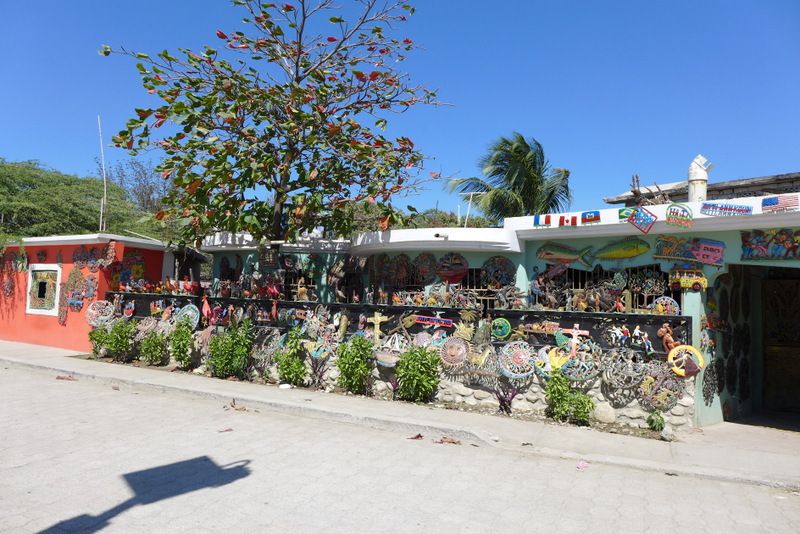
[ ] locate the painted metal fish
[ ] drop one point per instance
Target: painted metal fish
(622, 250)
(563, 254)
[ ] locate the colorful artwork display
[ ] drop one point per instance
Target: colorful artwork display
(680, 216)
(772, 244)
(780, 203)
(698, 250)
(642, 219)
(425, 265)
(719, 209)
(558, 253)
(623, 250)
(43, 290)
(499, 271)
(452, 267)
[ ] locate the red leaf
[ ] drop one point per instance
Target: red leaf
(407, 41)
(383, 223)
(159, 215)
(374, 75)
(332, 39)
(221, 34)
(288, 7)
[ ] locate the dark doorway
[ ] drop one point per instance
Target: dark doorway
(781, 340)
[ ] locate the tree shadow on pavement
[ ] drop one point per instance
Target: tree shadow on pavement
(159, 483)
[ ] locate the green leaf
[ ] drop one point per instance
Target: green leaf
(105, 50)
(336, 20)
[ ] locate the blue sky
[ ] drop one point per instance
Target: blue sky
(609, 88)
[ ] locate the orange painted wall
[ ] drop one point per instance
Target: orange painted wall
(16, 325)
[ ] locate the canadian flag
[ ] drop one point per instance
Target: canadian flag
(541, 220)
(568, 220)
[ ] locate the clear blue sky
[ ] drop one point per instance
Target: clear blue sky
(610, 88)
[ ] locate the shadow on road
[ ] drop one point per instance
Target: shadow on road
(159, 483)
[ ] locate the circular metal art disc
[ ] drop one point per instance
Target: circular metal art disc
(99, 312)
(454, 352)
(516, 360)
(189, 312)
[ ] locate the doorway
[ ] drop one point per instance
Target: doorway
(781, 340)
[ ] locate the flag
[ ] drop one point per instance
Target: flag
(779, 203)
(541, 220)
(568, 220)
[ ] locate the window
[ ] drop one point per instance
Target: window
(43, 289)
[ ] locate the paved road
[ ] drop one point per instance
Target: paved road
(81, 456)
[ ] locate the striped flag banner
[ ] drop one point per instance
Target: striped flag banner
(541, 220)
(779, 204)
(568, 220)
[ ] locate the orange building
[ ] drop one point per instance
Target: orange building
(47, 284)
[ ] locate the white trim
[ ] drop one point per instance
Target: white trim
(43, 267)
(87, 239)
(460, 239)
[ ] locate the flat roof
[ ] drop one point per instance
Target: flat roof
(87, 239)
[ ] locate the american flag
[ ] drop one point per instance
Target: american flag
(779, 203)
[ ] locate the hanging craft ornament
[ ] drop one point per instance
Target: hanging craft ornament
(452, 267)
(80, 257)
(63, 307)
(623, 369)
(144, 327)
(499, 271)
(685, 361)
(666, 306)
(516, 361)
(710, 383)
(454, 352)
(94, 259)
(99, 313)
(425, 266)
(189, 313)
(422, 339)
(398, 270)
(501, 328)
(660, 389)
(91, 286)
(76, 290)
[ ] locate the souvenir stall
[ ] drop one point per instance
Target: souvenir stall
(49, 286)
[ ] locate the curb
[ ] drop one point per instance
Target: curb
(412, 426)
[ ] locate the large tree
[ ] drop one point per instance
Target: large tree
(518, 180)
(280, 131)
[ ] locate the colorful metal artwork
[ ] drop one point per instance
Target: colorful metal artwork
(685, 361)
(622, 250)
(623, 368)
(501, 328)
(516, 361)
(683, 279)
(454, 352)
(42, 294)
(433, 321)
(642, 219)
(452, 268)
(710, 383)
(660, 389)
(558, 253)
(290, 262)
(772, 244)
(63, 306)
(145, 327)
(719, 209)
(80, 257)
(41, 256)
(76, 290)
(666, 306)
(190, 313)
(590, 217)
(698, 250)
(91, 286)
(780, 203)
(8, 285)
(499, 271)
(425, 266)
(398, 270)
(99, 313)
(679, 215)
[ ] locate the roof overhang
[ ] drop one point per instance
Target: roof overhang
(460, 239)
(93, 239)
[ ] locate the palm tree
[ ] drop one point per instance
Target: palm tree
(518, 181)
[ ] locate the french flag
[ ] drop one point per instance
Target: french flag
(541, 220)
(568, 220)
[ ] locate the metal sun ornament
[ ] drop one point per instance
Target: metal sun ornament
(99, 313)
(516, 360)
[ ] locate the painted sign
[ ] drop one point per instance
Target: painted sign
(622, 250)
(772, 244)
(625, 214)
(642, 219)
(680, 216)
(590, 217)
(542, 220)
(556, 252)
(697, 250)
(716, 209)
(779, 204)
(433, 321)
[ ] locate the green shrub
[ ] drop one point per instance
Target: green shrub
(290, 359)
(120, 340)
(354, 360)
(655, 421)
(180, 343)
(99, 338)
(565, 403)
(418, 374)
(153, 349)
(229, 352)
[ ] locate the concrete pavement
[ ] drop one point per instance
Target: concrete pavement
(82, 456)
(734, 453)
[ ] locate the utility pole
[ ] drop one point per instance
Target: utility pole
(469, 205)
(104, 200)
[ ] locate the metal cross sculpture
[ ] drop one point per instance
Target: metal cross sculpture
(376, 320)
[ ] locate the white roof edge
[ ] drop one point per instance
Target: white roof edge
(461, 239)
(85, 239)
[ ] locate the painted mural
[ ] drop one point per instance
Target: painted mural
(687, 249)
(772, 244)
